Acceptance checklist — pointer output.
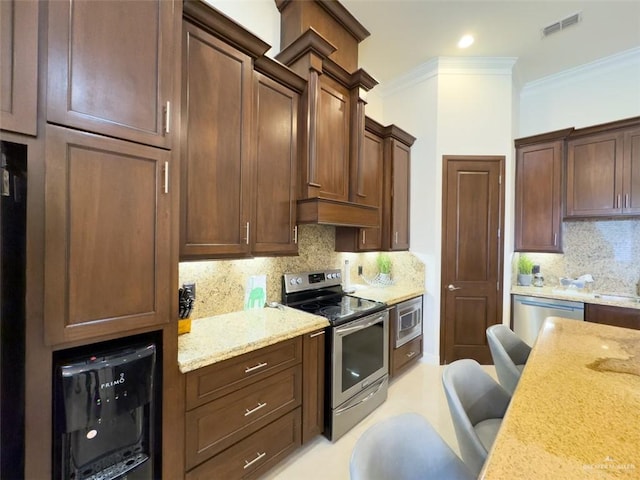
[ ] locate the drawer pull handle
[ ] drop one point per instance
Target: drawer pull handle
(256, 367)
(249, 412)
(247, 463)
(317, 334)
(410, 354)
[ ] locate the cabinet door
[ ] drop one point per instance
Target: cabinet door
(329, 161)
(111, 67)
(397, 233)
(18, 65)
(216, 167)
(538, 198)
(631, 199)
(107, 225)
(368, 192)
(616, 316)
(276, 156)
(313, 364)
(594, 175)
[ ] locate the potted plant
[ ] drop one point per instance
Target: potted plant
(384, 266)
(525, 269)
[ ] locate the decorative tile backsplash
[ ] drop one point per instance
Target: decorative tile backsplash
(608, 249)
(220, 284)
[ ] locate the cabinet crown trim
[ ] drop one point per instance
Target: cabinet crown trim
(339, 13)
(309, 42)
(543, 137)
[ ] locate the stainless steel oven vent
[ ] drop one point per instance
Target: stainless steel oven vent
(562, 24)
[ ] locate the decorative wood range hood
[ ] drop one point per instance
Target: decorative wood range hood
(319, 41)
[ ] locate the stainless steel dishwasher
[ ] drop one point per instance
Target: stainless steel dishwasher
(529, 314)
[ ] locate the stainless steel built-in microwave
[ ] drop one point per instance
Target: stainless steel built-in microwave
(408, 321)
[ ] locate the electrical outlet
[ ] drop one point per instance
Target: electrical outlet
(359, 269)
(192, 288)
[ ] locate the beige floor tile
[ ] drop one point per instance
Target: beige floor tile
(418, 390)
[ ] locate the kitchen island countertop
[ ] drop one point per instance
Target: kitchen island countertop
(217, 338)
(574, 414)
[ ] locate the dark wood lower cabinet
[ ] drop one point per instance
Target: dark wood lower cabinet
(244, 414)
(313, 373)
(404, 356)
(616, 316)
(253, 456)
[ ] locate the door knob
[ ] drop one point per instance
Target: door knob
(451, 288)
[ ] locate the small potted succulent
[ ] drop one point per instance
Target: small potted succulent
(525, 270)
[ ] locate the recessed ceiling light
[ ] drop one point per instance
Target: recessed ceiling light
(465, 41)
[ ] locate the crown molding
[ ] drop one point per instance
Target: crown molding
(586, 71)
(449, 66)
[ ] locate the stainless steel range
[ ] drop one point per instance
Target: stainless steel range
(357, 346)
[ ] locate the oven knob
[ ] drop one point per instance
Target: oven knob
(329, 275)
(292, 281)
(337, 275)
(299, 280)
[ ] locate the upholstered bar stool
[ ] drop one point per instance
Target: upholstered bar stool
(477, 404)
(405, 447)
(509, 355)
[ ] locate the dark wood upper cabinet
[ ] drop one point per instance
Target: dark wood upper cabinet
(108, 236)
(320, 43)
(111, 68)
(276, 142)
(397, 192)
(382, 180)
(217, 166)
(328, 175)
(603, 165)
(240, 113)
(367, 190)
(18, 65)
(538, 192)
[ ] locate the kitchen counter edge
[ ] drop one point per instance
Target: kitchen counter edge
(548, 292)
(218, 338)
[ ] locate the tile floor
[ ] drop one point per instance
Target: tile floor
(417, 390)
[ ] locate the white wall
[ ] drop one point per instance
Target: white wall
(260, 17)
(598, 92)
(453, 107)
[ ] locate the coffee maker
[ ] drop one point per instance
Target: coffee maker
(538, 279)
(104, 410)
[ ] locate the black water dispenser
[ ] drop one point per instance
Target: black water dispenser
(104, 413)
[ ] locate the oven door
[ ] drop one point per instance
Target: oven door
(408, 321)
(360, 355)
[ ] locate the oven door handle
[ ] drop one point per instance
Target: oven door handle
(365, 399)
(360, 327)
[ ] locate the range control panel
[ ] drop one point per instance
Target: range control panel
(298, 282)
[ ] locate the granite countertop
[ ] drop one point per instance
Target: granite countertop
(574, 414)
(578, 296)
(390, 294)
(218, 338)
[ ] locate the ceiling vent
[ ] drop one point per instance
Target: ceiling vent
(561, 24)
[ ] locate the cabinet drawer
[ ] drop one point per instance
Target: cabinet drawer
(214, 381)
(219, 424)
(407, 353)
(254, 455)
